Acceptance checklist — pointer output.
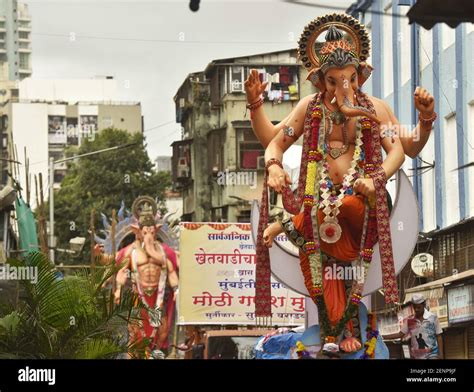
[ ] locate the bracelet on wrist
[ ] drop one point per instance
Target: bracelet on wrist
(427, 121)
(255, 105)
(273, 161)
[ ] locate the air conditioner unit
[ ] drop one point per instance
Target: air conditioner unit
(261, 162)
(237, 86)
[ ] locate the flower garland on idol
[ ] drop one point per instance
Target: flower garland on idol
(319, 183)
(301, 351)
(372, 335)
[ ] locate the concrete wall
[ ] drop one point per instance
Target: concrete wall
(30, 130)
(128, 117)
(70, 90)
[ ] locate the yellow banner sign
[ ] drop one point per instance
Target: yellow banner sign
(217, 278)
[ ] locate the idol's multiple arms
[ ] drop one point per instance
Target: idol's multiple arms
(122, 275)
(277, 177)
(391, 144)
(172, 277)
(412, 142)
(264, 129)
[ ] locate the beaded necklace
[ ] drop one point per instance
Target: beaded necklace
(330, 201)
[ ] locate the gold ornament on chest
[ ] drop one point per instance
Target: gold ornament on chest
(336, 152)
(336, 118)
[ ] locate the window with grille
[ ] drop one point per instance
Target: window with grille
(244, 216)
(454, 252)
(250, 149)
(236, 79)
(24, 64)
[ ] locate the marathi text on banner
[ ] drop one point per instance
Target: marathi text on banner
(217, 278)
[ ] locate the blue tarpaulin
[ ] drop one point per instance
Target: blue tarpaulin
(279, 346)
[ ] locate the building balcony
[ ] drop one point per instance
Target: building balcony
(24, 40)
(23, 50)
(24, 29)
(23, 17)
(3, 30)
(26, 71)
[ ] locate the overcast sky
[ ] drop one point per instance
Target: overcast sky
(139, 43)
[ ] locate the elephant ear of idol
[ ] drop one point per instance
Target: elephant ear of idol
(144, 209)
(343, 34)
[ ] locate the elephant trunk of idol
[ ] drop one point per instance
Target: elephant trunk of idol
(149, 245)
(344, 99)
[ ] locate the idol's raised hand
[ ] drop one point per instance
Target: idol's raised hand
(254, 87)
(424, 102)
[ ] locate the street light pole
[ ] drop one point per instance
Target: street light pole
(52, 162)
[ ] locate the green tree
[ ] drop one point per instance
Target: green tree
(102, 181)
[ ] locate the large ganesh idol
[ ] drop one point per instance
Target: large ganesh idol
(341, 209)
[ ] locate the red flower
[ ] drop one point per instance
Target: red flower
(330, 231)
